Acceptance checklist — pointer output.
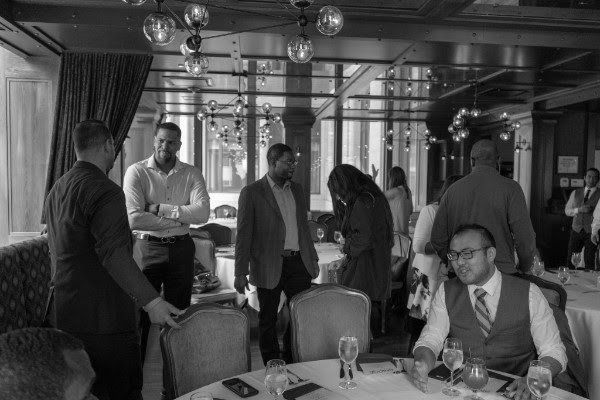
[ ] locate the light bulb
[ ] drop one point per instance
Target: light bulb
(237, 112)
(426, 132)
(390, 146)
(456, 137)
(263, 143)
(390, 132)
(276, 117)
(239, 103)
(451, 128)
(225, 128)
(191, 44)
(213, 105)
(407, 131)
(504, 116)
(196, 16)
(159, 28)
(196, 64)
(267, 128)
(135, 2)
(300, 49)
(266, 107)
(407, 148)
(463, 112)
(433, 139)
(427, 146)
(458, 122)
(505, 136)
(463, 133)
(517, 124)
(237, 131)
(301, 3)
(202, 114)
(330, 20)
(213, 126)
(428, 86)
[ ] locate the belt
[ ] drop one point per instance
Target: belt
(290, 253)
(165, 239)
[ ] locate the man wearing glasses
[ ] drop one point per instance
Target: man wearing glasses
(483, 308)
(274, 245)
(164, 196)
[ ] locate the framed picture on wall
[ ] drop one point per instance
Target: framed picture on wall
(567, 164)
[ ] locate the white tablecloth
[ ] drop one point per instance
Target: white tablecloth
(583, 313)
(225, 268)
(378, 386)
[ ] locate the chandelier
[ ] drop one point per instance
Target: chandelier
(160, 28)
(388, 138)
(508, 127)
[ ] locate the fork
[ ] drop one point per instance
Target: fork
(300, 380)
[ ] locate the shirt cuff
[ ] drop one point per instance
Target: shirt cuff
(152, 304)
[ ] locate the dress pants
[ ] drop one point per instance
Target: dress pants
(577, 241)
(294, 279)
(170, 265)
(116, 361)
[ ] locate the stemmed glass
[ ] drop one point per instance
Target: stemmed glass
(563, 275)
(337, 236)
(453, 359)
(320, 234)
(539, 378)
(276, 379)
(475, 376)
(538, 268)
(348, 351)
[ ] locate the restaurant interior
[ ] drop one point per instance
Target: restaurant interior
(384, 90)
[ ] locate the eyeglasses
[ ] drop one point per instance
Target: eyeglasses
(291, 163)
(465, 254)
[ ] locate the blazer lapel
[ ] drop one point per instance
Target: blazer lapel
(270, 197)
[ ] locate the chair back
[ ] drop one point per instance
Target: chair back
(205, 254)
(320, 315)
(212, 344)
(554, 293)
(324, 217)
(220, 234)
(313, 226)
(332, 225)
(225, 211)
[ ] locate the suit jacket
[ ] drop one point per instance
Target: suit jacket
(261, 235)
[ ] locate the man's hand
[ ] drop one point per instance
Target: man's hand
(418, 375)
(518, 390)
(152, 208)
(241, 284)
(595, 238)
(374, 171)
(161, 312)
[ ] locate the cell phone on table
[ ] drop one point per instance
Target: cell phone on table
(442, 373)
(239, 387)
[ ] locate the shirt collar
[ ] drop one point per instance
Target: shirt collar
(272, 183)
(490, 286)
(591, 190)
(151, 162)
(485, 169)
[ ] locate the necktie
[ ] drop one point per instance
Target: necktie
(587, 195)
(482, 313)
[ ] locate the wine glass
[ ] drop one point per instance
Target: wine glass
(539, 378)
(348, 351)
(538, 268)
(475, 376)
(276, 379)
(563, 275)
(453, 359)
(320, 234)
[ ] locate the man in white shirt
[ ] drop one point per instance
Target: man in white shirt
(483, 308)
(164, 196)
(580, 206)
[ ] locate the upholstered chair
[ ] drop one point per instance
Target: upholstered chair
(322, 314)
(225, 211)
(212, 344)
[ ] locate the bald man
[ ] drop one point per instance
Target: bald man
(486, 198)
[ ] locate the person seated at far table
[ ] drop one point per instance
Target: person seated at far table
(484, 309)
(43, 363)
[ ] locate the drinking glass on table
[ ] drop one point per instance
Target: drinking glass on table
(348, 351)
(453, 359)
(538, 268)
(337, 236)
(475, 376)
(563, 275)
(539, 378)
(320, 234)
(201, 396)
(276, 379)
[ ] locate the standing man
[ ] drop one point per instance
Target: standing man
(486, 198)
(164, 196)
(96, 286)
(274, 243)
(580, 206)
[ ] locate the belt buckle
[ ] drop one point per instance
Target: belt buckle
(169, 239)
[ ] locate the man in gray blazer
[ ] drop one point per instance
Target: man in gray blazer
(274, 245)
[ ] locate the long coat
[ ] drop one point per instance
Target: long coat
(368, 231)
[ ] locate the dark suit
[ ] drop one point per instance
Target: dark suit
(97, 287)
(261, 233)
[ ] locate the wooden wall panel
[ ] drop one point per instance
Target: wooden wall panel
(29, 122)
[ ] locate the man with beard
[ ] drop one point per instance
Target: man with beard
(164, 196)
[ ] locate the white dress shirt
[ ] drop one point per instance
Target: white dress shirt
(570, 208)
(544, 330)
(428, 264)
(181, 194)
(287, 206)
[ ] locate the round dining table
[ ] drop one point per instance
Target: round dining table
(325, 373)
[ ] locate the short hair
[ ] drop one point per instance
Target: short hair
(168, 126)
(487, 239)
(484, 150)
(594, 170)
(90, 134)
(33, 365)
(276, 151)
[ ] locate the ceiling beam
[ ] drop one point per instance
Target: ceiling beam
(358, 81)
(565, 60)
(474, 83)
(441, 9)
(562, 98)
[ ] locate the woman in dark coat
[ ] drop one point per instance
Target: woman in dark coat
(366, 222)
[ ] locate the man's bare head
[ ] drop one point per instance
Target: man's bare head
(484, 152)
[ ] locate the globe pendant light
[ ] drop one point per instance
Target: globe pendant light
(196, 16)
(301, 3)
(196, 64)
(300, 49)
(159, 28)
(330, 20)
(134, 2)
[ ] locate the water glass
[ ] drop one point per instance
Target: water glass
(320, 234)
(276, 379)
(475, 376)
(348, 351)
(538, 268)
(453, 359)
(337, 236)
(201, 396)
(563, 275)
(539, 378)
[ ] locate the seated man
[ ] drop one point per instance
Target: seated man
(48, 364)
(485, 310)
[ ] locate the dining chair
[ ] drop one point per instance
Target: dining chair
(320, 315)
(332, 225)
(212, 344)
(220, 234)
(225, 211)
(400, 269)
(313, 226)
(574, 379)
(324, 217)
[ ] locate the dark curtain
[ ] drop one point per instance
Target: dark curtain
(99, 86)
